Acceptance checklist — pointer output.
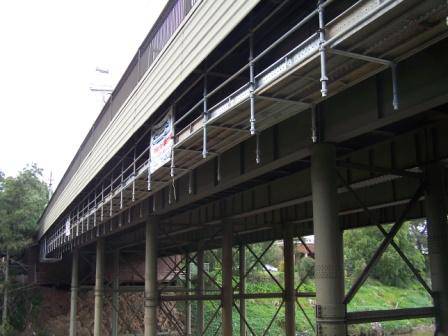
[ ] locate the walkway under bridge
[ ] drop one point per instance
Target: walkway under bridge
(307, 119)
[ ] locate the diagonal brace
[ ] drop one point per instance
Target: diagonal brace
(385, 243)
(415, 271)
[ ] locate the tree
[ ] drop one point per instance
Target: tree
(22, 200)
(360, 244)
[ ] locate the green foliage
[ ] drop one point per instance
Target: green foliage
(306, 266)
(25, 308)
(273, 256)
(373, 295)
(22, 200)
(6, 329)
(360, 244)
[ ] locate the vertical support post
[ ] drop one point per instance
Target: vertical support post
(205, 119)
(200, 292)
(121, 185)
(149, 162)
(173, 166)
(436, 212)
(74, 292)
(134, 174)
(395, 100)
(151, 294)
(257, 149)
(227, 288)
(116, 293)
(187, 303)
(330, 309)
(323, 56)
(252, 120)
(111, 195)
(290, 291)
(99, 289)
(242, 272)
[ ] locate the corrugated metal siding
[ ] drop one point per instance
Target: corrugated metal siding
(208, 25)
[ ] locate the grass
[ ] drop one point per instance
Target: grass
(372, 296)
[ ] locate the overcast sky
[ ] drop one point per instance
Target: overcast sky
(49, 50)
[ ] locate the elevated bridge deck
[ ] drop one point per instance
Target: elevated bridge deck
(302, 116)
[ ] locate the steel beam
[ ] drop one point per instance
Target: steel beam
(115, 294)
(237, 296)
(199, 292)
(290, 292)
(389, 315)
(99, 288)
(436, 211)
(187, 302)
(329, 271)
(74, 292)
(242, 288)
(227, 288)
(151, 294)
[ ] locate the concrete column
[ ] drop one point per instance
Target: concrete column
(99, 288)
(151, 293)
(227, 288)
(200, 291)
(74, 292)
(242, 272)
(436, 212)
(187, 303)
(115, 293)
(290, 291)
(329, 265)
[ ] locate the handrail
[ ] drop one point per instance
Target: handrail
(123, 176)
(171, 18)
(302, 22)
(120, 179)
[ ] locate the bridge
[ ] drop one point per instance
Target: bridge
(249, 121)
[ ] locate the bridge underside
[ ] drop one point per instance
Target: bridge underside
(372, 152)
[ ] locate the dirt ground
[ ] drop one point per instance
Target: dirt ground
(53, 314)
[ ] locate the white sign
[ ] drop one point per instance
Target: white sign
(162, 141)
(67, 227)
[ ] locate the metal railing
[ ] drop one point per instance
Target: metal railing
(157, 39)
(116, 180)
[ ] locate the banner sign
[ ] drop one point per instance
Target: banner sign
(162, 141)
(67, 227)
